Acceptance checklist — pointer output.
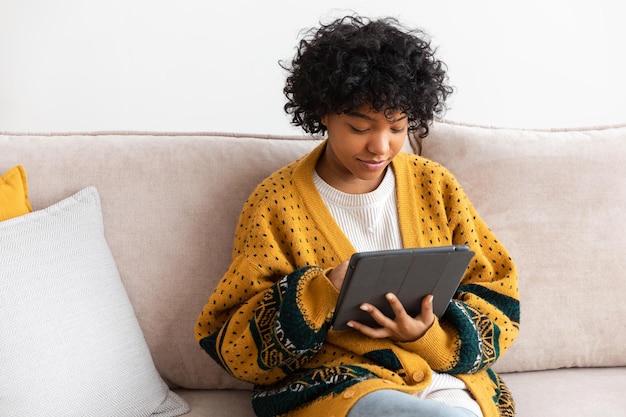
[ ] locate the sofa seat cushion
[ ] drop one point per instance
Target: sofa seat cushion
(218, 403)
(589, 392)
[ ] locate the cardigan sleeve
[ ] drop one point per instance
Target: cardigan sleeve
(482, 320)
(272, 310)
(273, 333)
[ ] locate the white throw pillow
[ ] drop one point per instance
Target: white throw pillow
(70, 344)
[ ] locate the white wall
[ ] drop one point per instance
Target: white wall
(201, 65)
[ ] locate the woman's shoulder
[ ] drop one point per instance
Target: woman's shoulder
(285, 180)
(414, 164)
(276, 182)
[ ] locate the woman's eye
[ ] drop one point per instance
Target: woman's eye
(398, 129)
(357, 130)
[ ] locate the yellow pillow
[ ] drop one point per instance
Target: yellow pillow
(14, 194)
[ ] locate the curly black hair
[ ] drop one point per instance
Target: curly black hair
(355, 61)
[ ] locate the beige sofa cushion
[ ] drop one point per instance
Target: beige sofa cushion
(170, 204)
(557, 199)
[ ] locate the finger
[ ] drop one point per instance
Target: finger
(396, 306)
(338, 274)
(376, 314)
(427, 314)
(378, 333)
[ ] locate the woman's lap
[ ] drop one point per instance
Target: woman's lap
(399, 404)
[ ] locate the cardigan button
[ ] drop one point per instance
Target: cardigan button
(418, 376)
(348, 394)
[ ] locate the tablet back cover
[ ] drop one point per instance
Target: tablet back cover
(411, 274)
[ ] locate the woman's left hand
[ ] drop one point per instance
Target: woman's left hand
(403, 328)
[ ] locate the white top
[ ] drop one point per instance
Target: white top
(370, 221)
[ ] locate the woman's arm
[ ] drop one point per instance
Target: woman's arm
(482, 320)
(261, 328)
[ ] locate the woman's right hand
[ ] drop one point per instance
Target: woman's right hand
(337, 274)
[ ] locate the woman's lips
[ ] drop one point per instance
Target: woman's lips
(373, 165)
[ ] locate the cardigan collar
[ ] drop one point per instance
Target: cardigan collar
(343, 248)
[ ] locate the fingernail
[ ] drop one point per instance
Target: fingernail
(349, 324)
(389, 296)
(364, 307)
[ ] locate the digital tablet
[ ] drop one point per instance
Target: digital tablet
(411, 274)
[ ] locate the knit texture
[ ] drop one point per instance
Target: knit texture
(268, 321)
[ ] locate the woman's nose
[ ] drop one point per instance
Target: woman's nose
(379, 143)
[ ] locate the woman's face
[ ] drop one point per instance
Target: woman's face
(361, 144)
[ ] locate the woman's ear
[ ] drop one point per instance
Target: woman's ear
(323, 120)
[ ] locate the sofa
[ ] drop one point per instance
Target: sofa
(152, 215)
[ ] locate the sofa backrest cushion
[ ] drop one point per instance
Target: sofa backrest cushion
(170, 205)
(557, 200)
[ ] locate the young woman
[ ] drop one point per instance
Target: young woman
(365, 84)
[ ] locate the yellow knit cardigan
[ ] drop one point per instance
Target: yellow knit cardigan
(269, 319)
